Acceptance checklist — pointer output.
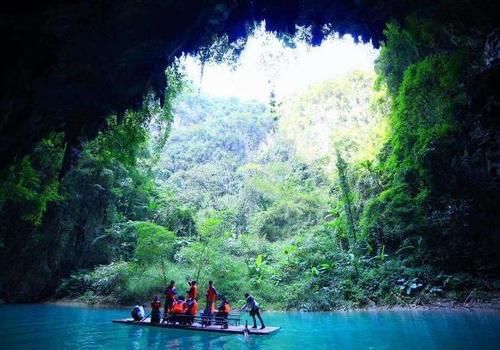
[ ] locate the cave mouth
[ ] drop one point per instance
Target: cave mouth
(82, 80)
(279, 108)
(281, 100)
(280, 70)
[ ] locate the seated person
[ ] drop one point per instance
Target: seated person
(138, 312)
(191, 311)
(223, 312)
(155, 310)
(178, 310)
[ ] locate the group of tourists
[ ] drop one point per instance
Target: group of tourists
(182, 310)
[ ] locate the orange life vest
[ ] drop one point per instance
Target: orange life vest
(225, 308)
(211, 294)
(179, 307)
(193, 292)
(192, 309)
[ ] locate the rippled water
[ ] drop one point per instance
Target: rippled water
(67, 327)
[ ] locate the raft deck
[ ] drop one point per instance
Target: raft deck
(198, 327)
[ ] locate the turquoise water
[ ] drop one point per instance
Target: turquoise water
(67, 327)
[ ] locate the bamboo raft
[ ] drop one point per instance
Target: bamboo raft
(197, 327)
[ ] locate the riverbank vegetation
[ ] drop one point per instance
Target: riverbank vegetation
(353, 192)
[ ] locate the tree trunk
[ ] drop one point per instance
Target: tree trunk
(347, 197)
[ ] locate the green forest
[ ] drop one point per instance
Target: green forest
(355, 192)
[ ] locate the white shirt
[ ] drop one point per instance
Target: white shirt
(141, 311)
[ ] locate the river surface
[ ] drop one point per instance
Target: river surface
(70, 327)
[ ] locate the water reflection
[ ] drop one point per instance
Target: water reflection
(217, 343)
(87, 328)
(134, 337)
(152, 339)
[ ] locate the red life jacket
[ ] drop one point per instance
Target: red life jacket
(156, 305)
(211, 294)
(179, 307)
(193, 292)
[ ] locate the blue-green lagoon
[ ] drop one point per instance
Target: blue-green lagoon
(45, 326)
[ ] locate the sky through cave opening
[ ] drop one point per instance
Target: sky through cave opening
(270, 64)
(315, 102)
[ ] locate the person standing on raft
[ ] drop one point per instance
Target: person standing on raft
(192, 293)
(155, 310)
(170, 294)
(206, 316)
(211, 296)
(253, 308)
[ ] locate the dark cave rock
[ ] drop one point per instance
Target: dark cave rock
(67, 66)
